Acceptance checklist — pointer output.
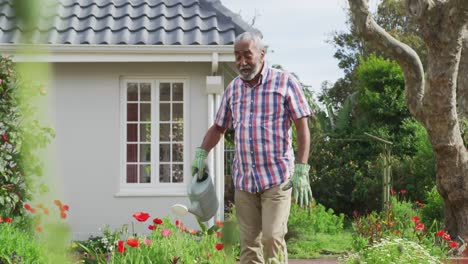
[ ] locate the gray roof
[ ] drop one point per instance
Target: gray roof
(128, 22)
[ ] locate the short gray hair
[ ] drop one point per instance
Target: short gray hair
(251, 36)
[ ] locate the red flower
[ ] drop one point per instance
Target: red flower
(1, 220)
(32, 210)
(193, 232)
(141, 216)
(453, 244)
(120, 246)
(8, 220)
(157, 221)
(177, 222)
(39, 229)
(219, 246)
(63, 215)
(133, 242)
(393, 192)
(5, 137)
(218, 234)
(151, 227)
(65, 207)
(403, 191)
(58, 203)
(446, 237)
(219, 224)
(419, 226)
(415, 219)
(440, 233)
(27, 207)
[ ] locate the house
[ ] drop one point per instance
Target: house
(135, 85)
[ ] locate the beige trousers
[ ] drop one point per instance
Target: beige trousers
(263, 219)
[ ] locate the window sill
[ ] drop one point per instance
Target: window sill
(152, 192)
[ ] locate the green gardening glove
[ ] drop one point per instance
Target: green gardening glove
(300, 183)
(198, 163)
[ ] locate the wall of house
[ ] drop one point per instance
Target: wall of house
(88, 142)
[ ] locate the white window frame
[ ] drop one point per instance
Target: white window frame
(154, 188)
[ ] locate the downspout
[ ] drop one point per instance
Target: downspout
(214, 91)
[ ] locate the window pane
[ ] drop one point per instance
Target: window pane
(177, 152)
(132, 132)
(145, 173)
(164, 112)
(132, 171)
(131, 152)
(178, 112)
(145, 114)
(145, 132)
(178, 173)
(178, 132)
(132, 92)
(165, 92)
(145, 153)
(165, 173)
(164, 152)
(145, 92)
(177, 92)
(132, 112)
(164, 132)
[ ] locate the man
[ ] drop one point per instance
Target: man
(261, 104)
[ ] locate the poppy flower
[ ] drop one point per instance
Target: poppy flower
(1, 220)
(65, 207)
(193, 232)
(8, 220)
(151, 227)
(141, 216)
(453, 244)
(147, 242)
(440, 233)
(27, 207)
(177, 222)
(393, 192)
(415, 219)
(419, 226)
(157, 221)
(166, 232)
(5, 137)
(120, 246)
(63, 215)
(446, 237)
(133, 242)
(219, 246)
(403, 191)
(219, 224)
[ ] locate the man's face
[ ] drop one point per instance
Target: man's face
(249, 59)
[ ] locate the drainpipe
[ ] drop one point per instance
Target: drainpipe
(214, 90)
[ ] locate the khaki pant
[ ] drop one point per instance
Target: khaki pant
(263, 219)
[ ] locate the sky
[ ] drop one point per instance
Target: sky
(296, 32)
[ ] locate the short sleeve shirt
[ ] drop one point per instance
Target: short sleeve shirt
(262, 117)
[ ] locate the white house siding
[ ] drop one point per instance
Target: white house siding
(88, 141)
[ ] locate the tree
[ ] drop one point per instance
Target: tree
(432, 96)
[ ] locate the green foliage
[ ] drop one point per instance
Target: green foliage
(314, 219)
(19, 246)
(21, 137)
(395, 250)
(433, 209)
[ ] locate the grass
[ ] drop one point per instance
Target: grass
(307, 245)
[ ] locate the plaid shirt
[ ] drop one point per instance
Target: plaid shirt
(262, 117)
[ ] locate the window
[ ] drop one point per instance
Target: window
(153, 123)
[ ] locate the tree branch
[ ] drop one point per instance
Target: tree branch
(406, 57)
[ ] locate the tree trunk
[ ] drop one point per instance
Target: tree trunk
(433, 99)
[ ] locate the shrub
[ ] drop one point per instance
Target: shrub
(433, 210)
(17, 245)
(395, 250)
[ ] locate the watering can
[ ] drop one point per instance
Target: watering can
(202, 196)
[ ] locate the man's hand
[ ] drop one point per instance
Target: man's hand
(198, 164)
(300, 183)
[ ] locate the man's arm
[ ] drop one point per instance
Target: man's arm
(212, 137)
(303, 140)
